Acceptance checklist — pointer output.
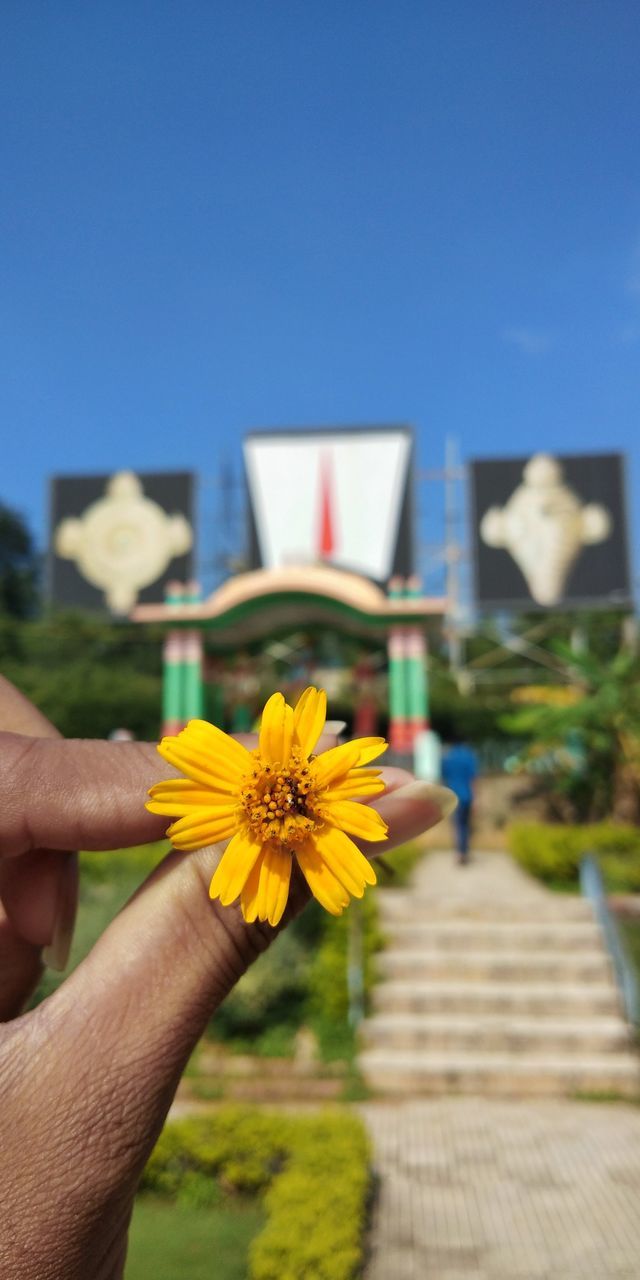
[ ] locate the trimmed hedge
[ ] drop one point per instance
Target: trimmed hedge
(314, 1173)
(552, 853)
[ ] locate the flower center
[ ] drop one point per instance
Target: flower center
(279, 801)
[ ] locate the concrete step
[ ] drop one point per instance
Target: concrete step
(502, 966)
(494, 1033)
(576, 936)
(553, 997)
(402, 1073)
(414, 906)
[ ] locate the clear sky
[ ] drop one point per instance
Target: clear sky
(223, 214)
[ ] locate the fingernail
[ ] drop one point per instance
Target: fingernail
(441, 797)
(56, 955)
(335, 726)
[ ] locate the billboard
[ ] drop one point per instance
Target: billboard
(116, 540)
(550, 532)
(339, 496)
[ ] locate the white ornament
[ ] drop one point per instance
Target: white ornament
(123, 542)
(544, 527)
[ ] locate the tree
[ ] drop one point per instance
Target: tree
(18, 566)
(594, 737)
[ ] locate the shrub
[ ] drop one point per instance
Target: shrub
(314, 1172)
(553, 853)
(328, 1002)
(317, 1206)
(272, 992)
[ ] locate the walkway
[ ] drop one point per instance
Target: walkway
(478, 1189)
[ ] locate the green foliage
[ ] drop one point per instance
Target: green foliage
(240, 1147)
(552, 853)
(314, 1171)
(630, 930)
(316, 1208)
(117, 865)
(328, 1001)
(18, 566)
(604, 722)
(87, 674)
(272, 991)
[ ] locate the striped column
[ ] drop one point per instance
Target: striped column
(172, 668)
(416, 670)
(192, 663)
(398, 688)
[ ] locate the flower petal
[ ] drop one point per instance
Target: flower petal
(180, 796)
(345, 861)
(235, 867)
(334, 764)
(370, 749)
(273, 888)
(323, 884)
(220, 743)
(309, 715)
(276, 731)
(208, 771)
(358, 819)
(204, 826)
(249, 893)
(357, 782)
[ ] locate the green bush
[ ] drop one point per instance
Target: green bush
(552, 853)
(317, 1206)
(272, 992)
(314, 1172)
(328, 1001)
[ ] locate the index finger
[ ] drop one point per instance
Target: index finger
(76, 794)
(79, 794)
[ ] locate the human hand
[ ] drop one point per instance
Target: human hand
(87, 1078)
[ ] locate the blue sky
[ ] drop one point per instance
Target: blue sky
(222, 215)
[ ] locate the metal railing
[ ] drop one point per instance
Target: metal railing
(592, 887)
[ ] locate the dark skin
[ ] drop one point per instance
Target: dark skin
(87, 1078)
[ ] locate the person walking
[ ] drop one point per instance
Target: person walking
(459, 770)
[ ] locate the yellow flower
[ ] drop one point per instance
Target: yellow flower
(273, 804)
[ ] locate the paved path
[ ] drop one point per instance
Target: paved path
(480, 1189)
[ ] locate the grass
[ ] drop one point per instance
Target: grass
(168, 1241)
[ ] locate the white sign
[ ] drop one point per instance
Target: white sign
(333, 497)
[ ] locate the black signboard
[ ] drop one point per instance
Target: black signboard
(116, 540)
(550, 531)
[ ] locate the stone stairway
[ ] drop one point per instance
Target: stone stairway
(491, 984)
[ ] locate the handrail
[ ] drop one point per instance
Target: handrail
(592, 886)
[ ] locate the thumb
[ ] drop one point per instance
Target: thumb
(155, 977)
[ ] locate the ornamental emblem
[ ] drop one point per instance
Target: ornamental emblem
(544, 527)
(123, 542)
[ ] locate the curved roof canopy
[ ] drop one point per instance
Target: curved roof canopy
(254, 605)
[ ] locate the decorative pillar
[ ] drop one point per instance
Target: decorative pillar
(415, 643)
(398, 688)
(192, 660)
(172, 671)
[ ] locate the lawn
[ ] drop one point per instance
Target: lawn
(168, 1241)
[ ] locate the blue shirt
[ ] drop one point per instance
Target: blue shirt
(459, 768)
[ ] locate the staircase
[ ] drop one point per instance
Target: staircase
(491, 984)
